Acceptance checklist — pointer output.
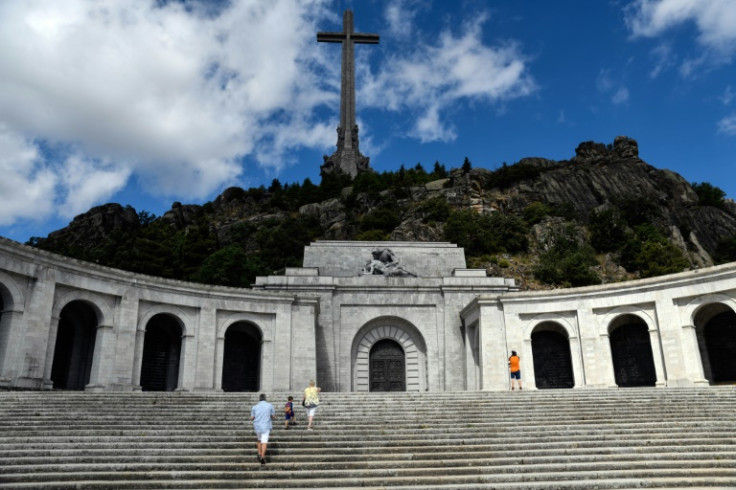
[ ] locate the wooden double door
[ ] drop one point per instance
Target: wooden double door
(387, 367)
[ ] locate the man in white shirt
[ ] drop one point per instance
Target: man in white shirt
(262, 414)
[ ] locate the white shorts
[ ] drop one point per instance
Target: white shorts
(262, 437)
(311, 411)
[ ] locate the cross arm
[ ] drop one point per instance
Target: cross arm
(365, 38)
(331, 37)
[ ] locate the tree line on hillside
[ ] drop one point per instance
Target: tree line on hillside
(375, 206)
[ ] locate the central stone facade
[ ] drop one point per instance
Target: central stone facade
(419, 309)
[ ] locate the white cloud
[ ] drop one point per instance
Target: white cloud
(172, 98)
(727, 125)
(621, 96)
(27, 186)
(607, 85)
(167, 93)
(715, 20)
(430, 79)
(727, 97)
(399, 15)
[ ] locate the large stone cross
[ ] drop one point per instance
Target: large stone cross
(347, 158)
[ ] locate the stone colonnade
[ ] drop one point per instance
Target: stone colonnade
(670, 315)
(38, 290)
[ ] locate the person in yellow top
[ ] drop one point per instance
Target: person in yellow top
(311, 401)
(515, 368)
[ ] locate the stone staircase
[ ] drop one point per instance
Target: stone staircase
(632, 438)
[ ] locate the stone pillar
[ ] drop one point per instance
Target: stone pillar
(657, 357)
(207, 371)
(528, 376)
(494, 369)
(123, 377)
(691, 351)
(39, 333)
(578, 369)
(682, 363)
(10, 335)
(187, 363)
(140, 338)
(608, 376)
(102, 359)
(303, 319)
(50, 348)
(219, 361)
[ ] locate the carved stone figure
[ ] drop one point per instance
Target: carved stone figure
(386, 263)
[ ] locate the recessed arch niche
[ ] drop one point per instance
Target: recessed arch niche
(241, 364)
(552, 359)
(715, 325)
(631, 352)
(75, 345)
(161, 353)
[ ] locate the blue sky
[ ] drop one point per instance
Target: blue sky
(150, 102)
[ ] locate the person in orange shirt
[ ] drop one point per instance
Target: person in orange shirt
(515, 368)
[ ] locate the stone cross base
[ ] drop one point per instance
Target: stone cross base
(347, 160)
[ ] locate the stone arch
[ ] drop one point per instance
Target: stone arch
(715, 327)
(552, 357)
(97, 303)
(162, 360)
(631, 351)
(406, 335)
(11, 311)
(242, 357)
(74, 345)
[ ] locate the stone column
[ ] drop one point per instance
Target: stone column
(39, 333)
(608, 376)
(494, 369)
(528, 376)
(691, 351)
(124, 376)
(50, 348)
(219, 361)
(140, 339)
(657, 357)
(102, 358)
(12, 335)
(207, 340)
(578, 369)
(187, 363)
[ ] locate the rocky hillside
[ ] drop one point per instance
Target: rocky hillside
(603, 215)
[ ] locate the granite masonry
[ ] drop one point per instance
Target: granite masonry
(357, 317)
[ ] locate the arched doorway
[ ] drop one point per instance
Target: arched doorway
(241, 364)
(161, 354)
(387, 366)
(75, 345)
(552, 360)
(720, 342)
(631, 351)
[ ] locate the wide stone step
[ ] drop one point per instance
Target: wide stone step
(264, 477)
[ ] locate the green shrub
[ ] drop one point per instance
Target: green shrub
(536, 212)
(567, 263)
(709, 195)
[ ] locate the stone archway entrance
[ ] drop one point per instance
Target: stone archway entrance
(631, 350)
(75, 346)
(552, 360)
(241, 365)
(720, 342)
(387, 366)
(161, 354)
